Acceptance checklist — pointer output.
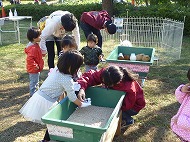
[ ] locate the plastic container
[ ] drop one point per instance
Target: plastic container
(140, 67)
(15, 12)
(58, 126)
(133, 57)
(10, 13)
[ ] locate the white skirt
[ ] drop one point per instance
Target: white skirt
(36, 107)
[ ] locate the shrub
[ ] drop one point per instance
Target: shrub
(172, 11)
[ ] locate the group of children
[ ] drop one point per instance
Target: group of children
(61, 79)
(64, 79)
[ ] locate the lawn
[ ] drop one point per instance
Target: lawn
(152, 124)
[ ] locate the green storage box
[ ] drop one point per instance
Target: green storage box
(62, 130)
(140, 67)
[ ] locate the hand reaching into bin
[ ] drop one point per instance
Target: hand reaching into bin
(82, 95)
(82, 98)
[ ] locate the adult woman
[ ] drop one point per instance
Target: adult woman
(56, 25)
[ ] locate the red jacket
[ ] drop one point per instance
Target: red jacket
(34, 59)
(95, 19)
(134, 98)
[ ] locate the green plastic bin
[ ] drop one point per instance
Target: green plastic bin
(56, 118)
(140, 67)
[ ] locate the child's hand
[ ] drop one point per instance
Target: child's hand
(86, 103)
(81, 95)
(37, 67)
(100, 57)
(186, 88)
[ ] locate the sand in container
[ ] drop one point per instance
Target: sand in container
(92, 115)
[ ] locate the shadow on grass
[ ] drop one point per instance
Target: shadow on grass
(17, 95)
(20, 129)
(12, 98)
(158, 122)
(168, 77)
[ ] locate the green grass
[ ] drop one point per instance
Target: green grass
(152, 123)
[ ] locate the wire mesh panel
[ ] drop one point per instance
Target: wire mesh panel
(165, 35)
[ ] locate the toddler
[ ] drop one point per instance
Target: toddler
(68, 43)
(34, 60)
(180, 123)
(92, 53)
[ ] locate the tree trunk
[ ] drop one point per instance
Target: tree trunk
(146, 2)
(108, 6)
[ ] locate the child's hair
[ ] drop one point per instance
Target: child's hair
(68, 22)
(188, 74)
(70, 62)
(68, 41)
(33, 33)
(92, 37)
(113, 75)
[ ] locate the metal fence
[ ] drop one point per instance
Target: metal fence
(164, 34)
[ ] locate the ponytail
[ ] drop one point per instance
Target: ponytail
(128, 75)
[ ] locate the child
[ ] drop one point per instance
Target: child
(34, 61)
(92, 53)
(68, 43)
(180, 123)
(117, 78)
(55, 84)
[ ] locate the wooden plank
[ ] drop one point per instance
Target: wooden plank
(118, 131)
(114, 128)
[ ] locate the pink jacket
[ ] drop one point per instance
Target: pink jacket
(180, 123)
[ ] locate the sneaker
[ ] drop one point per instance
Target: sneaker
(125, 124)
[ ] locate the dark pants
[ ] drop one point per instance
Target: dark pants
(126, 115)
(51, 50)
(46, 137)
(89, 29)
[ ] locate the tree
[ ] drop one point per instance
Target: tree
(108, 6)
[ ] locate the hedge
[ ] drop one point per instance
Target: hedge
(172, 11)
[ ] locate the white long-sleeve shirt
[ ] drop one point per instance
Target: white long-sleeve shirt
(53, 27)
(57, 83)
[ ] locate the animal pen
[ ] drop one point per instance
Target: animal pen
(163, 34)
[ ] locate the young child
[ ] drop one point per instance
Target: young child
(92, 53)
(68, 43)
(180, 123)
(121, 79)
(55, 84)
(34, 60)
